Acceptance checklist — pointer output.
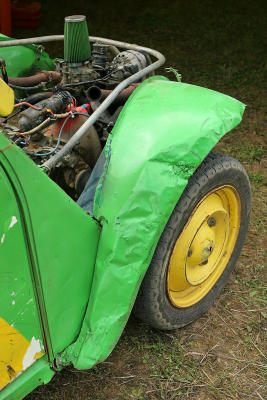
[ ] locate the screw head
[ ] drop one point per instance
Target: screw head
(211, 222)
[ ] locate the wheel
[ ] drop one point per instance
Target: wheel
(199, 246)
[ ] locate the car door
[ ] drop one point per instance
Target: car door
(21, 340)
(48, 246)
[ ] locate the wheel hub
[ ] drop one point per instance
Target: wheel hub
(204, 246)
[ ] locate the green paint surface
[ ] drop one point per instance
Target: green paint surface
(62, 244)
(39, 373)
(17, 297)
(25, 60)
(162, 135)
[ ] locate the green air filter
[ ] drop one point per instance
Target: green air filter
(76, 41)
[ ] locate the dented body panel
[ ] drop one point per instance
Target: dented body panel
(163, 133)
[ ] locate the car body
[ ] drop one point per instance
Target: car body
(69, 280)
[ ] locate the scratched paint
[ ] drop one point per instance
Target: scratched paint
(33, 352)
(13, 222)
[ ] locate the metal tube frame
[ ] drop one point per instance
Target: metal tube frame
(49, 164)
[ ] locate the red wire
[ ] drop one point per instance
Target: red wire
(24, 103)
(21, 134)
(72, 104)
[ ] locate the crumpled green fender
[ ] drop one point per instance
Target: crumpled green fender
(162, 135)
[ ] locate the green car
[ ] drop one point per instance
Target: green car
(111, 200)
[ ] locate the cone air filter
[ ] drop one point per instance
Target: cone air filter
(76, 41)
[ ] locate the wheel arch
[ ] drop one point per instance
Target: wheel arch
(162, 135)
(228, 180)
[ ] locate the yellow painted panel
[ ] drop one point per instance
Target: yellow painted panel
(14, 353)
(6, 99)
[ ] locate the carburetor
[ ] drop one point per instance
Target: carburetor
(76, 66)
(76, 72)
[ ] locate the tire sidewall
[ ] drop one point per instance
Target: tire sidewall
(205, 179)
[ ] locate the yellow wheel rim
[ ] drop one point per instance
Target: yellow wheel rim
(203, 249)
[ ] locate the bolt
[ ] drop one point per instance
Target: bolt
(189, 254)
(211, 222)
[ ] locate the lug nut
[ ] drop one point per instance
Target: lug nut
(211, 222)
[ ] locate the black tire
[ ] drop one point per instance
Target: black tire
(153, 304)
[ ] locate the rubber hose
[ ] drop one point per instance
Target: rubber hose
(44, 76)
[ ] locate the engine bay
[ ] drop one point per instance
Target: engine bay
(51, 106)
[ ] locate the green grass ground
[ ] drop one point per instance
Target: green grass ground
(220, 45)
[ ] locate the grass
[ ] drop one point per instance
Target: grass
(219, 45)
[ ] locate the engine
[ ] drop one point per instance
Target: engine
(43, 121)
